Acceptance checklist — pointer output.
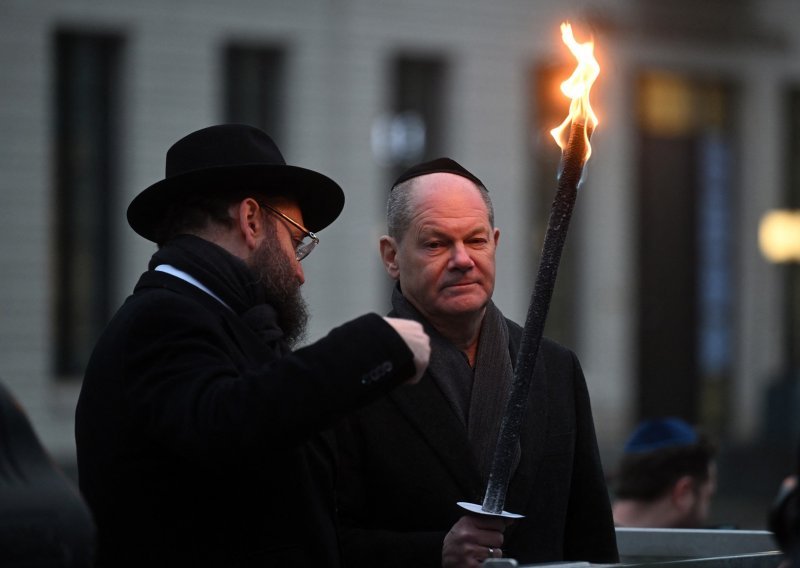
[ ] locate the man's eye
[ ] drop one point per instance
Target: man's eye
(431, 245)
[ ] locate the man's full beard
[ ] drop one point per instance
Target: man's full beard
(275, 274)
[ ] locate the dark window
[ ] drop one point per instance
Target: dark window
(87, 73)
(686, 211)
(254, 88)
(414, 129)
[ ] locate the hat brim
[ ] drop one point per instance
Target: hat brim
(320, 199)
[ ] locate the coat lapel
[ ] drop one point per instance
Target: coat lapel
(424, 406)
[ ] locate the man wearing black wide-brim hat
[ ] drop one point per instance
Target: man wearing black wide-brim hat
(200, 433)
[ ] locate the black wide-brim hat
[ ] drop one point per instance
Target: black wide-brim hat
(231, 158)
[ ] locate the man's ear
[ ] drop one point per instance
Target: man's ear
(683, 493)
(388, 247)
(250, 221)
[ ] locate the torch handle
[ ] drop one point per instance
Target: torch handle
(555, 237)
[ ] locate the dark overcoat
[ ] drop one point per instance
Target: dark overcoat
(406, 462)
(198, 445)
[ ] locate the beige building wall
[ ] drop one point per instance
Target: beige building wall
(338, 86)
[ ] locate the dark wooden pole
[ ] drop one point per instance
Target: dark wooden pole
(560, 214)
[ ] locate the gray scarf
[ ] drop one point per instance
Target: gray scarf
(478, 396)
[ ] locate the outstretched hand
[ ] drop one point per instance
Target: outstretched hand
(417, 340)
(473, 539)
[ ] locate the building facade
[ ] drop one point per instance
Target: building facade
(662, 292)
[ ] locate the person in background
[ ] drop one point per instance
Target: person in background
(200, 432)
(398, 501)
(666, 478)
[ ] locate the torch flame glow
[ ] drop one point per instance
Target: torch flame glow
(577, 88)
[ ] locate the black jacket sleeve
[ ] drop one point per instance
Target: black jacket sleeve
(190, 385)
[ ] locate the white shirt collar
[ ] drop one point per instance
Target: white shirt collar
(169, 269)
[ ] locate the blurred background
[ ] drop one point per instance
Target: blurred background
(666, 292)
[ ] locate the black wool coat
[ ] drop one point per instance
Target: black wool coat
(405, 462)
(198, 445)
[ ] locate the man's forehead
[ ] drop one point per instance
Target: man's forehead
(459, 227)
(446, 222)
(443, 187)
(437, 179)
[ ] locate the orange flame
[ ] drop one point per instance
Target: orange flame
(577, 88)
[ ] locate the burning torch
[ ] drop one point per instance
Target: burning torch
(572, 137)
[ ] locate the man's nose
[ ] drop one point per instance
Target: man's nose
(301, 277)
(460, 258)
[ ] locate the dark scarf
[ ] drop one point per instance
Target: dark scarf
(478, 396)
(229, 278)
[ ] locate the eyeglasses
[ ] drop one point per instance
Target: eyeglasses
(303, 248)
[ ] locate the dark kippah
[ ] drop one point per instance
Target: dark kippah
(439, 165)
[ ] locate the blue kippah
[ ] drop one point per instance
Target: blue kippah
(439, 165)
(660, 433)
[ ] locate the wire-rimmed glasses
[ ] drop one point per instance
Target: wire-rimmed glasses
(303, 248)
